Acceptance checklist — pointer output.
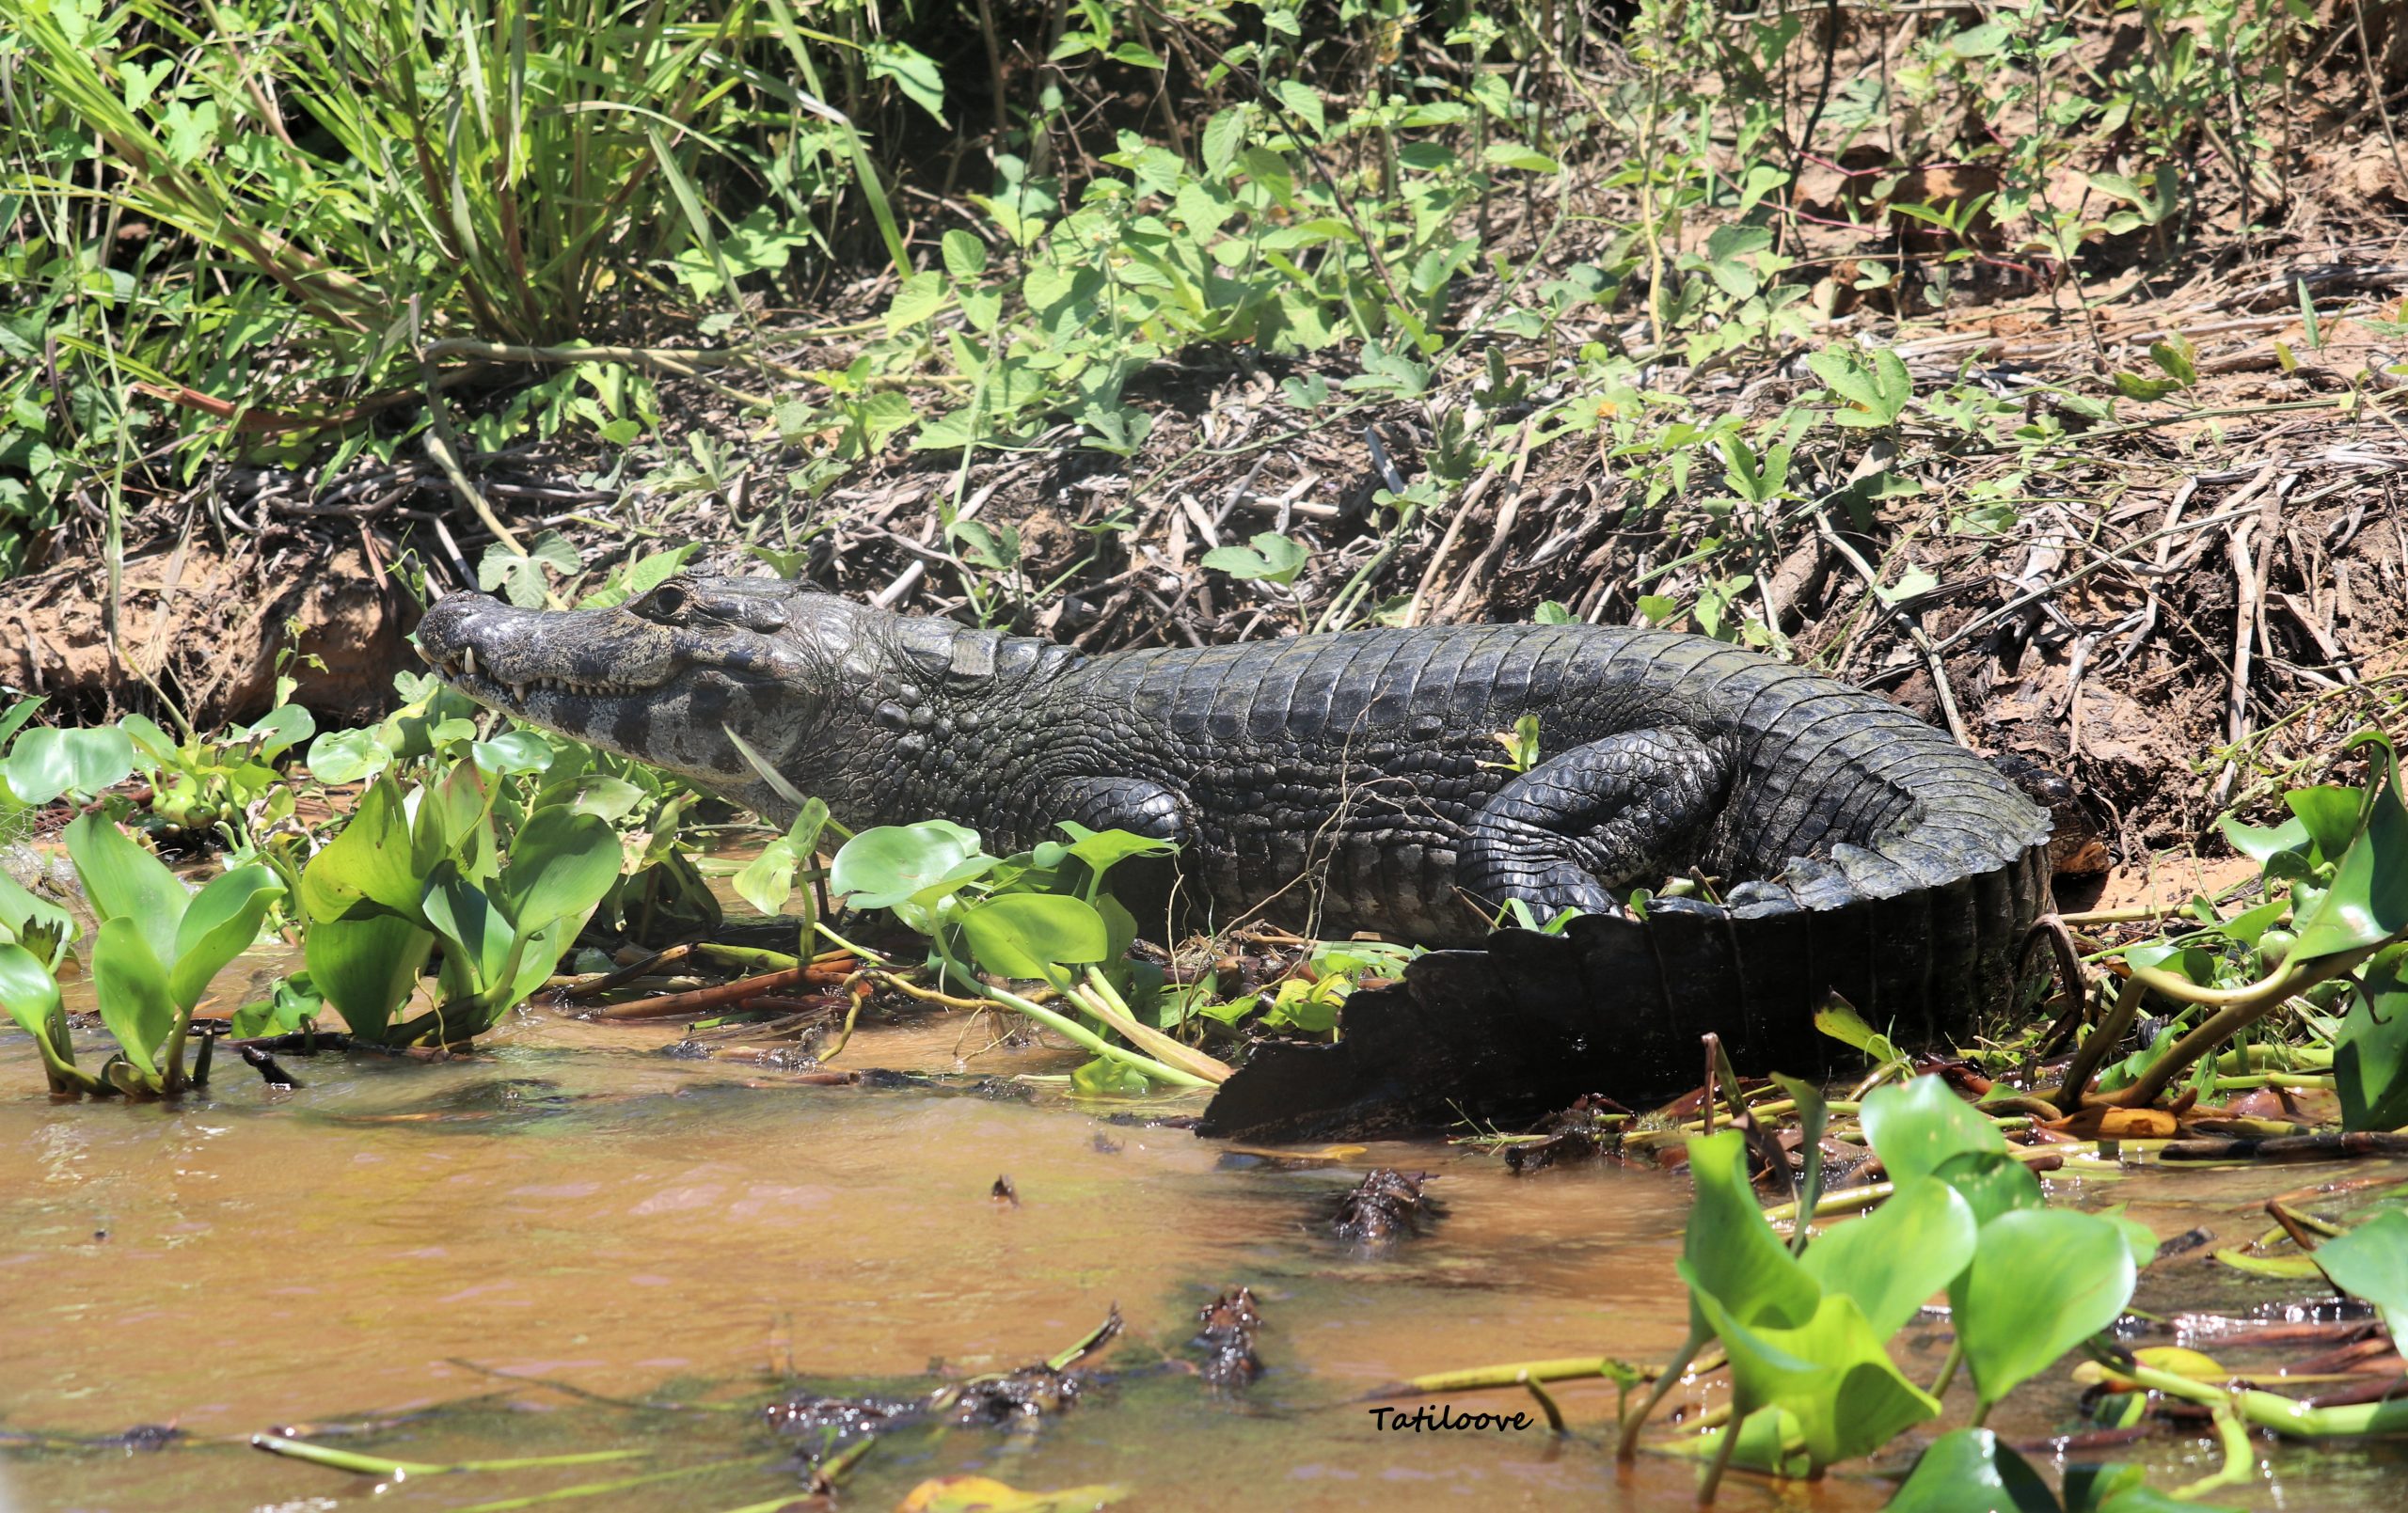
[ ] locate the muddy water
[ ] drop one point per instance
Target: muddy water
(396, 1243)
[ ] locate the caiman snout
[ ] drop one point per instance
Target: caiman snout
(504, 656)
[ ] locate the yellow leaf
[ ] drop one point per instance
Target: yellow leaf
(984, 1494)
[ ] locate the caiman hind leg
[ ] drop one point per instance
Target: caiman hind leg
(1592, 818)
(1148, 887)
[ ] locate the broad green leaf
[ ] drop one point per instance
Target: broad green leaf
(1224, 135)
(348, 756)
(1731, 1246)
(220, 923)
(2041, 1283)
(367, 868)
(365, 965)
(47, 762)
(886, 864)
(132, 987)
(2370, 1053)
(561, 864)
(124, 881)
(30, 994)
(965, 256)
(1829, 1373)
(2370, 1263)
(278, 731)
(2330, 815)
(1991, 1183)
(477, 940)
(1102, 850)
(1028, 934)
(767, 880)
(1970, 1470)
(1104, 1078)
(512, 753)
(1916, 1124)
(2257, 843)
(1299, 96)
(1896, 1258)
(2369, 899)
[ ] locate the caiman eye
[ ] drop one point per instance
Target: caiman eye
(666, 602)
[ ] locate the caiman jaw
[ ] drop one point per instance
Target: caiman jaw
(658, 680)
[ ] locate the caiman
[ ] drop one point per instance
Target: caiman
(1355, 782)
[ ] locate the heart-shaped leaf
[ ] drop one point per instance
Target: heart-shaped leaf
(47, 762)
(1894, 1259)
(2041, 1283)
(887, 864)
(1916, 1124)
(1970, 1470)
(1030, 934)
(561, 864)
(126, 882)
(220, 923)
(1732, 1248)
(1830, 1374)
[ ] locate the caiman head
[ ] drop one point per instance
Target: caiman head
(664, 677)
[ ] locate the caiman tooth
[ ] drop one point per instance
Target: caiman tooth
(468, 661)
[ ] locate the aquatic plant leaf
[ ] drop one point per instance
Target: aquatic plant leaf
(2330, 817)
(124, 881)
(561, 864)
(221, 923)
(2121, 1487)
(47, 762)
(1916, 1124)
(1830, 1373)
(1897, 1258)
(1991, 1183)
(2370, 1053)
(365, 965)
(2041, 1283)
(2369, 899)
(1969, 1471)
(1029, 935)
(478, 940)
(886, 864)
(367, 869)
(2257, 843)
(2370, 1263)
(30, 994)
(1102, 850)
(1731, 1249)
(132, 986)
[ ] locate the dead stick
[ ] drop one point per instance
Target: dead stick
(671, 1005)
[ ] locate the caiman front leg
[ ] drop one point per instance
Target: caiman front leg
(1583, 821)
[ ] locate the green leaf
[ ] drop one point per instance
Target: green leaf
(1299, 96)
(2369, 899)
(2258, 843)
(46, 761)
(2041, 1283)
(479, 941)
(1028, 934)
(1969, 1471)
(886, 864)
(369, 867)
(124, 881)
(1273, 557)
(561, 864)
(220, 923)
(1224, 136)
(1104, 1078)
(2175, 353)
(348, 756)
(1830, 1374)
(767, 880)
(2370, 1053)
(965, 256)
(1732, 1248)
(1915, 1125)
(30, 994)
(1896, 1258)
(2329, 814)
(2370, 1263)
(1991, 1183)
(132, 986)
(365, 965)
